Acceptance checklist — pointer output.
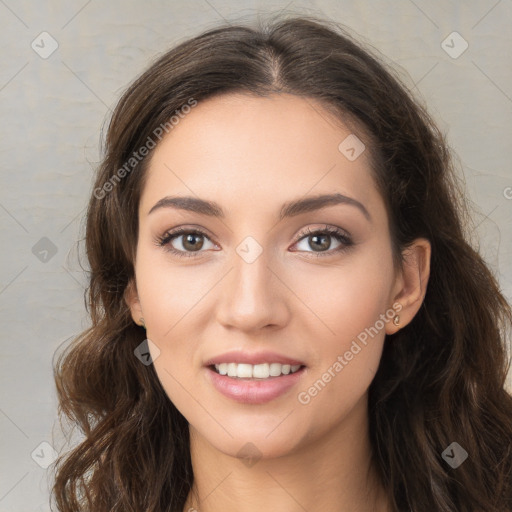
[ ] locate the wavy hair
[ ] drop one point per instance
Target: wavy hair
(441, 378)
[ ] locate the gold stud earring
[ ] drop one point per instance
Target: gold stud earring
(396, 320)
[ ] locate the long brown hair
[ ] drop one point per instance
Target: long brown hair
(441, 378)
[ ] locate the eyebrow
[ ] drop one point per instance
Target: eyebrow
(289, 209)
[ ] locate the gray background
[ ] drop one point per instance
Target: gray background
(53, 109)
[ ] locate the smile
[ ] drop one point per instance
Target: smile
(255, 371)
(254, 390)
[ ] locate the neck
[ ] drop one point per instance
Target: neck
(333, 473)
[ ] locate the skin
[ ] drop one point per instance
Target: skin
(251, 155)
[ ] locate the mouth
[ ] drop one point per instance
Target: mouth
(254, 384)
(255, 372)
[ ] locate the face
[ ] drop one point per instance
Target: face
(258, 280)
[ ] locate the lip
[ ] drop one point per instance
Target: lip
(238, 356)
(253, 391)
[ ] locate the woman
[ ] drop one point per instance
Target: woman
(286, 314)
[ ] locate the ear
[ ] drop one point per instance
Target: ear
(132, 300)
(411, 283)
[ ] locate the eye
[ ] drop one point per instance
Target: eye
(192, 241)
(186, 242)
(321, 239)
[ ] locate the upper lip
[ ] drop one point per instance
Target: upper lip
(239, 356)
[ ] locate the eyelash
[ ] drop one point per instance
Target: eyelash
(339, 235)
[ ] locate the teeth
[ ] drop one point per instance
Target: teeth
(232, 369)
(244, 371)
(256, 371)
(259, 371)
(274, 369)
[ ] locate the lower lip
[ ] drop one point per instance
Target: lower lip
(254, 391)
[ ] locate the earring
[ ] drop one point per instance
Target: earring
(142, 324)
(396, 320)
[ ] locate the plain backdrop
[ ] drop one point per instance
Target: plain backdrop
(64, 66)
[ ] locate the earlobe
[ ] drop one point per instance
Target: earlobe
(132, 300)
(413, 282)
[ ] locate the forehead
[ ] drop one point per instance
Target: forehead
(258, 150)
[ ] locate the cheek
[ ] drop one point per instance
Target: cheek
(347, 297)
(171, 295)
(351, 306)
(171, 302)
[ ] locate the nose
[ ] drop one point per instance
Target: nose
(253, 296)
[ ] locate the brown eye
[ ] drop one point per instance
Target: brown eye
(184, 242)
(323, 242)
(192, 242)
(320, 240)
